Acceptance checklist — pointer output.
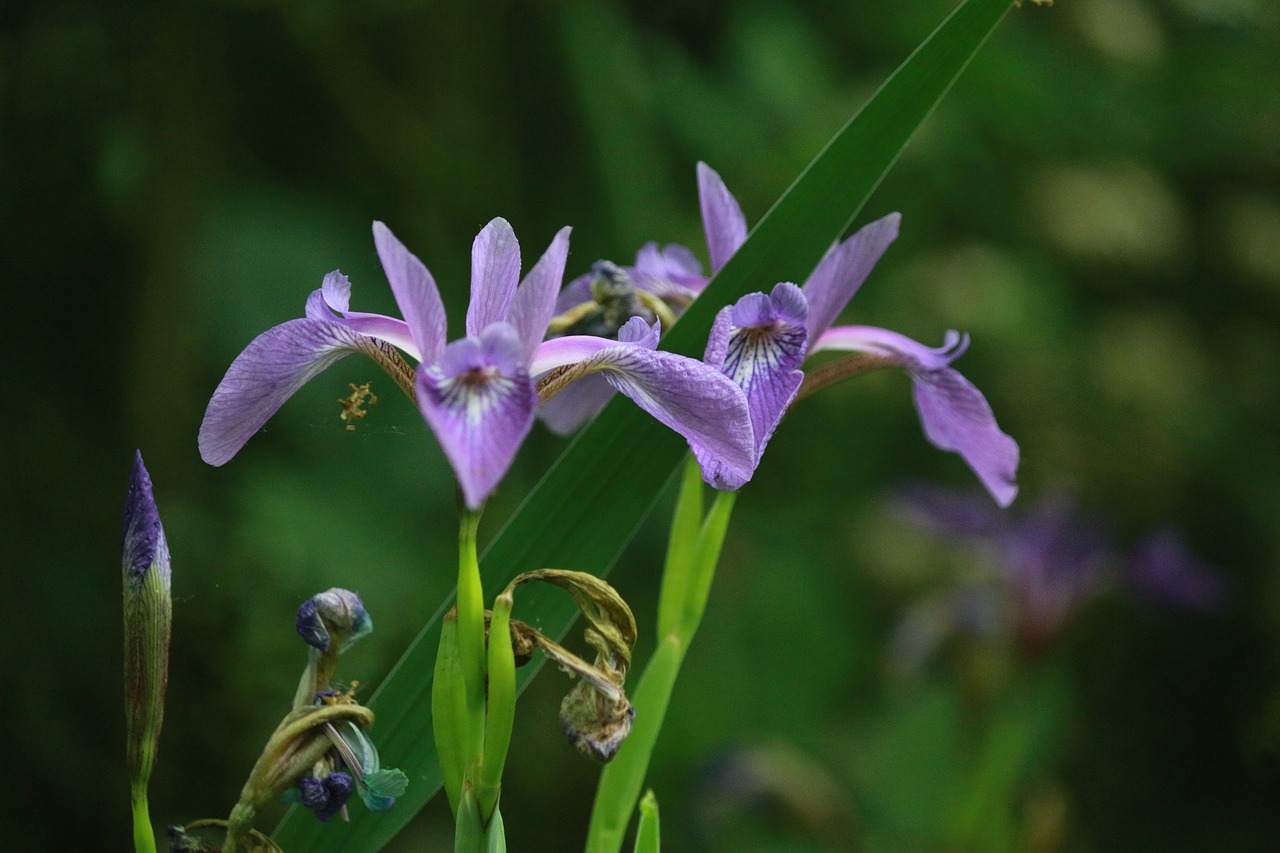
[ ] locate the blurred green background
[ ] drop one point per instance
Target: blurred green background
(1097, 202)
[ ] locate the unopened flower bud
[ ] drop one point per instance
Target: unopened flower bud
(148, 613)
(326, 797)
(336, 614)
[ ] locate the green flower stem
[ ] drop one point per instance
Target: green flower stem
(468, 834)
(681, 547)
(495, 836)
(703, 570)
(144, 838)
(471, 642)
(449, 720)
(501, 706)
(622, 778)
(649, 834)
(692, 555)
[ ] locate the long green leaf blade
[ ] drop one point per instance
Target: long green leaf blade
(602, 487)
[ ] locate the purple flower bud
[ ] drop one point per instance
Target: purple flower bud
(335, 613)
(326, 797)
(142, 539)
(148, 613)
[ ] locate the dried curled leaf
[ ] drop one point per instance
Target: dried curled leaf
(596, 715)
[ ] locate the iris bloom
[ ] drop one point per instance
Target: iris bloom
(477, 393)
(761, 341)
(1039, 567)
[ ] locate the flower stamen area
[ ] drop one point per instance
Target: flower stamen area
(353, 404)
(340, 697)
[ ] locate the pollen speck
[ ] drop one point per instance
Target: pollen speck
(353, 405)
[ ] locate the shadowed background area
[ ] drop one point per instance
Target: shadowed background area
(1097, 203)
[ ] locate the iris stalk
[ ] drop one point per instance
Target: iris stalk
(692, 554)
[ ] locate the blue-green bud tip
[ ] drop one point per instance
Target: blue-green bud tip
(334, 613)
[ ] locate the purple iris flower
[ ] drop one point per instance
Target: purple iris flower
(1163, 571)
(1043, 565)
(772, 335)
(477, 393)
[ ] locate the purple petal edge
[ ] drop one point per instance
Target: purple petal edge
(722, 217)
(270, 370)
(495, 271)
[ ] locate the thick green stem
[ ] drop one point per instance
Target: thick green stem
(681, 547)
(692, 555)
(144, 839)
(622, 778)
(501, 707)
(703, 569)
(471, 642)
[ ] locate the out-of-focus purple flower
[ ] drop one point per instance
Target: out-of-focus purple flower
(1047, 561)
(1054, 560)
(477, 393)
(1163, 571)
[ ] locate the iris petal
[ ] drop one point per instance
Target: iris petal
(953, 412)
(415, 291)
(479, 402)
(269, 371)
(535, 300)
(690, 397)
(759, 343)
(722, 218)
(841, 272)
(495, 270)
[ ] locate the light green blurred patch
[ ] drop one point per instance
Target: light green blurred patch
(1125, 30)
(1120, 211)
(977, 287)
(1249, 226)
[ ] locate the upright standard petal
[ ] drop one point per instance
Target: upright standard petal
(759, 343)
(479, 402)
(954, 414)
(269, 371)
(331, 302)
(416, 293)
(495, 270)
(535, 299)
(671, 272)
(843, 270)
(722, 218)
